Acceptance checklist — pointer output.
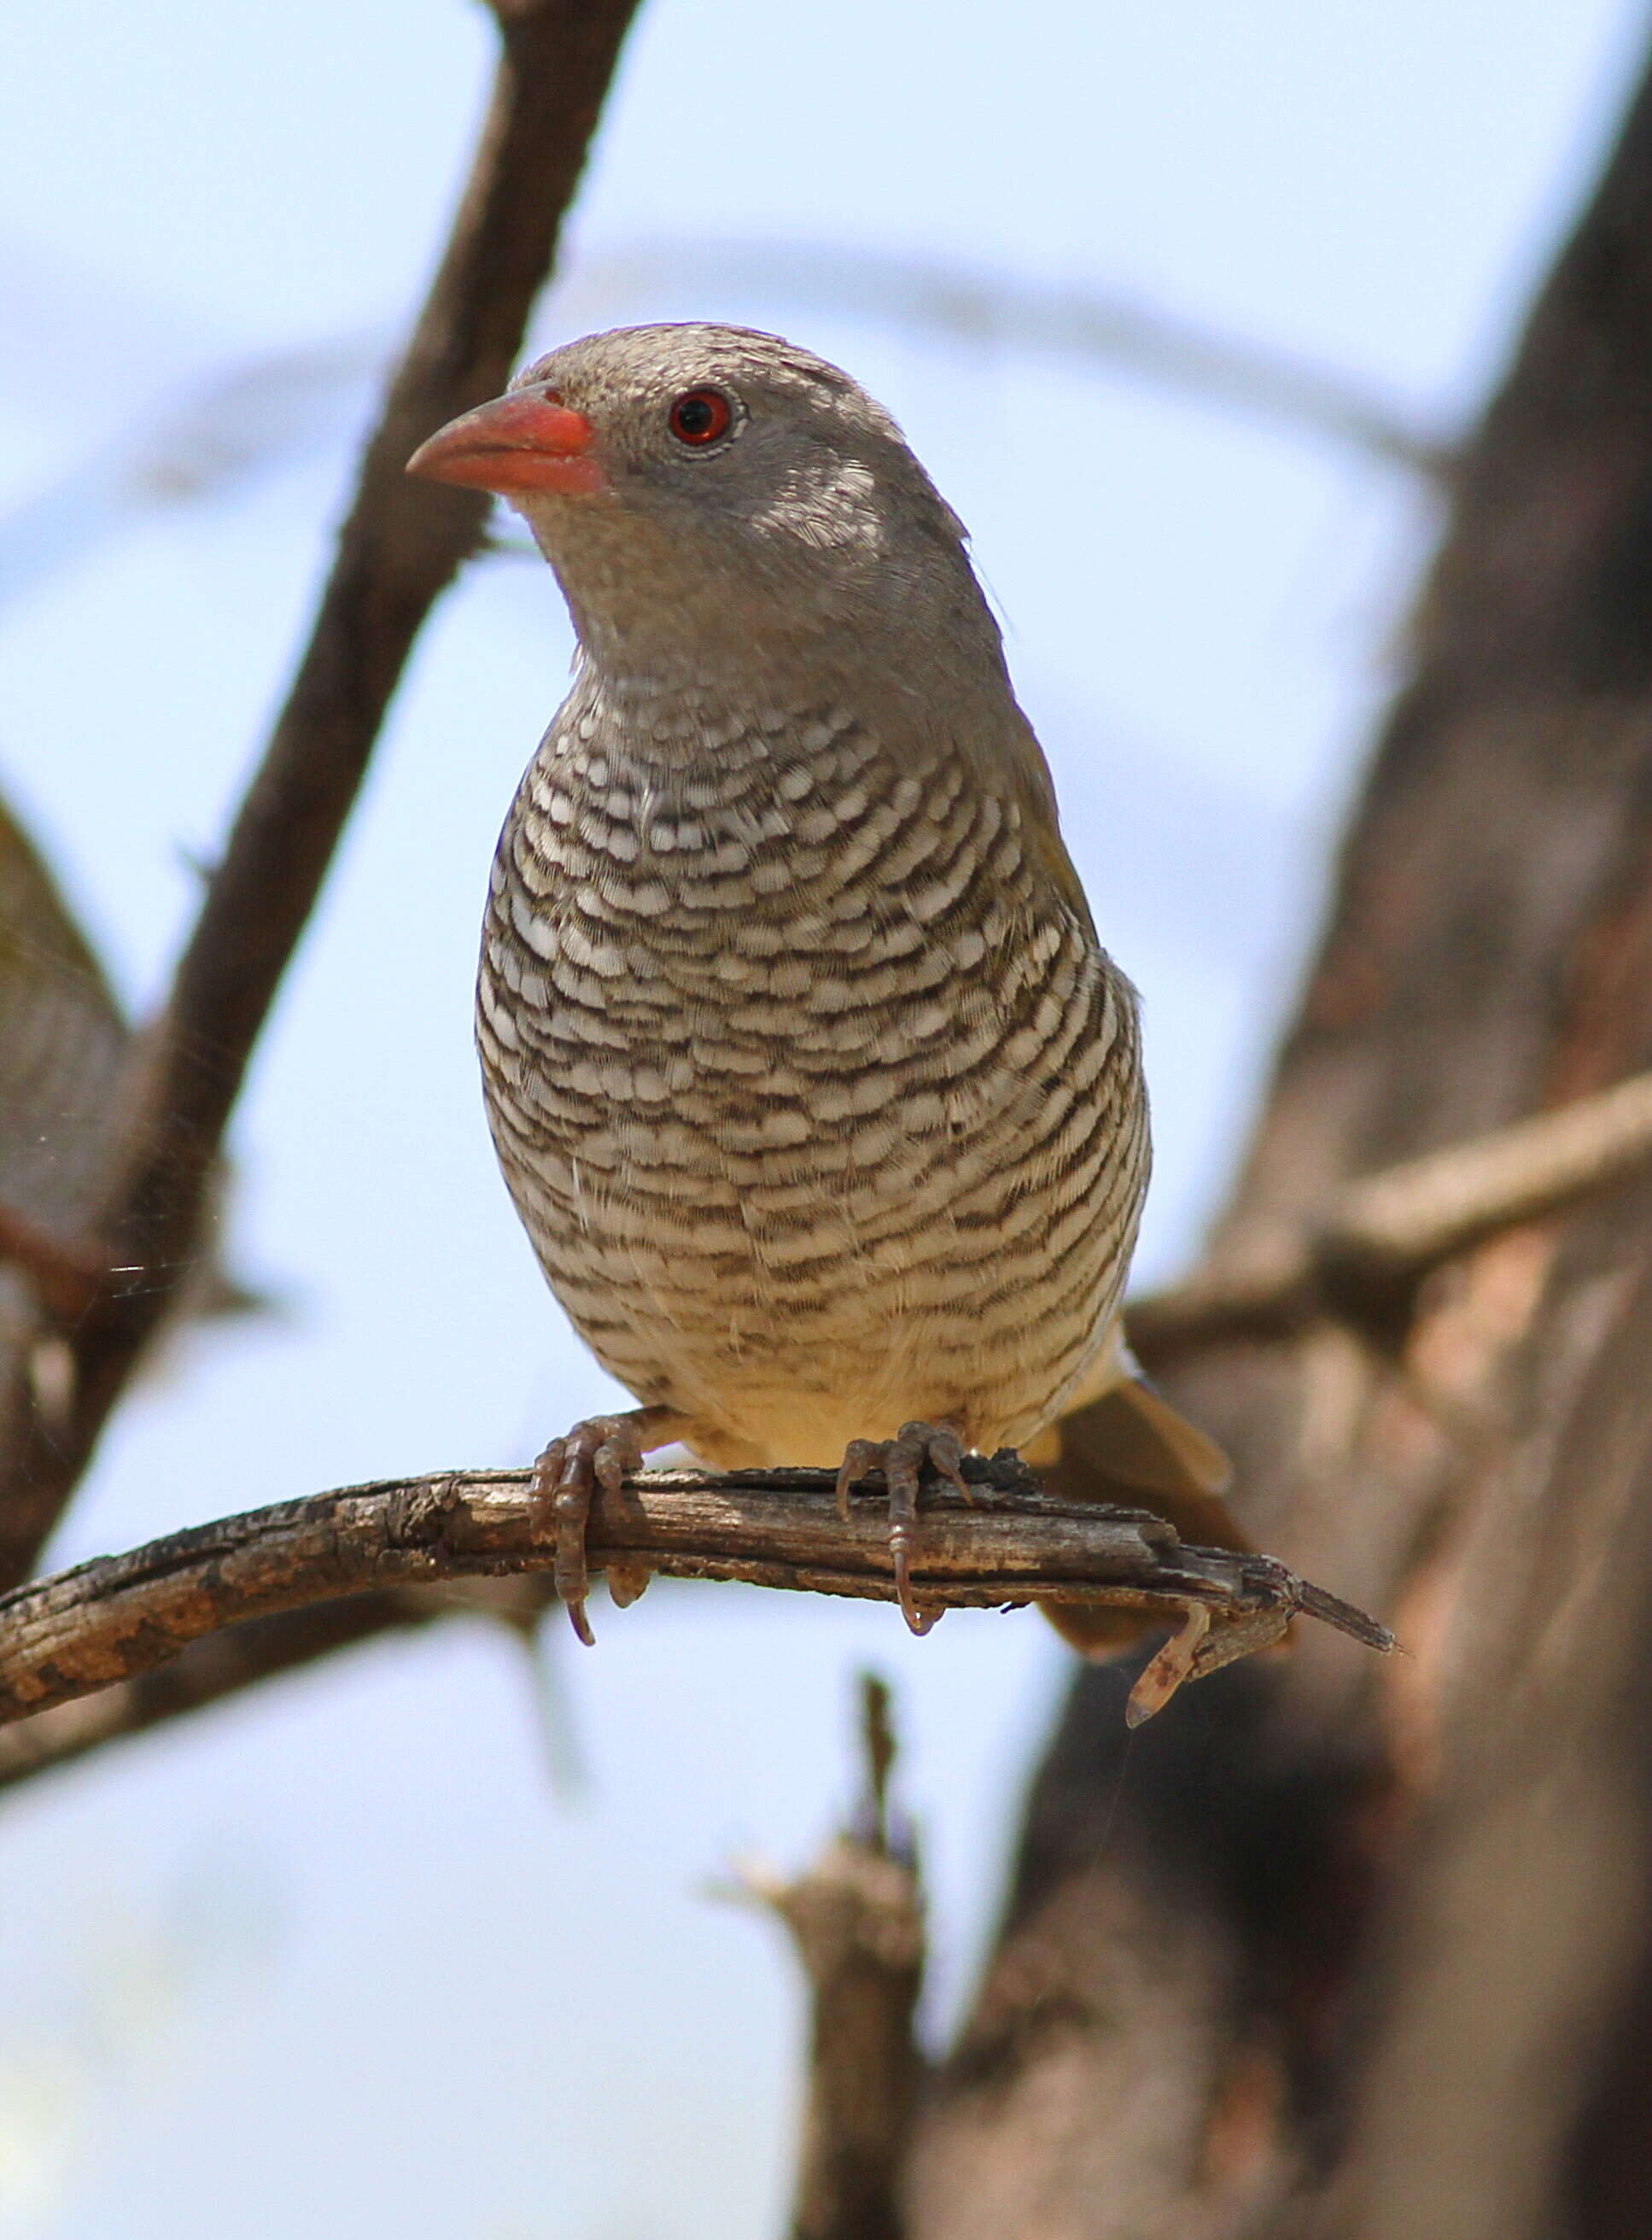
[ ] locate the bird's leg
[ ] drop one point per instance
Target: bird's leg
(598, 1451)
(903, 1461)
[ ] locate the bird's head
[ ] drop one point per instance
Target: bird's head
(709, 495)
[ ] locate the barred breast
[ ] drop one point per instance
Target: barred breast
(819, 1101)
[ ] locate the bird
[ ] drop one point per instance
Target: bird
(815, 1091)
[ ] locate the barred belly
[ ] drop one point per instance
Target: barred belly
(818, 1099)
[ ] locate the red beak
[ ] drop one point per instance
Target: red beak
(518, 445)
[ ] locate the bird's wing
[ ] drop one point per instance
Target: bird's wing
(1035, 790)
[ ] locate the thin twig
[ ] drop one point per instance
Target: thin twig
(107, 1621)
(1363, 1259)
(400, 546)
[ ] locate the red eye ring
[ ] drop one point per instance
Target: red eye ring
(701, 416)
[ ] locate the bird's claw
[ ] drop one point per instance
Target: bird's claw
(598, 1451)
(903, 1461)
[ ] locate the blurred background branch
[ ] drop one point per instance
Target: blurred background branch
(1110, 332)
(398, 548)
(1361, 1258)
(225, 1664)
(855, 1920)
(242, 421)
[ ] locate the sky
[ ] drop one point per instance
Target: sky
(340, 1950)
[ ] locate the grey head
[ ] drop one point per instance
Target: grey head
(719, 504)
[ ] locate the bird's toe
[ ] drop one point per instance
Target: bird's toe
(598, 1451)
(901, 1461)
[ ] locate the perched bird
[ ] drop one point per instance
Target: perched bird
(818, 1096)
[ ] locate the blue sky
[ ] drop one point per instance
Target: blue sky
(337, 1950)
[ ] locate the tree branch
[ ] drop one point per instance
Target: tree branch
(1342, 1959)
(122, 1615)
(247, 416)
(221, 1664)
(1362, 1260)
(855, 1919)
(399, 548)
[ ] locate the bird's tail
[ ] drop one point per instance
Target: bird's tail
(1122, 1441)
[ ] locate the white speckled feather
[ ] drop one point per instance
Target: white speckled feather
(822, 1109)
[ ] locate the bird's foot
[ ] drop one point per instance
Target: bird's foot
(903, 1461)
(599, 1450)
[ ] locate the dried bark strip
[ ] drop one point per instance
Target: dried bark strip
(399, 548)
(108, 1621)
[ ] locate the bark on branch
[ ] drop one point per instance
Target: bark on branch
(122, 1615)
(399, 548)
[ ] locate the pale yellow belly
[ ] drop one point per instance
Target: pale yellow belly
(973, 1293)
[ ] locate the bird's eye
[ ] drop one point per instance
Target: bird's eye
(701, 416)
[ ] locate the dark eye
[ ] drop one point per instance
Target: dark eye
(701, 416)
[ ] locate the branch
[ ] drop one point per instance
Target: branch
(1363, 1259)
(399, 548)
(221, 1664)
(108, 1621)
(855, 1919)
(246, 418)
(228, 425)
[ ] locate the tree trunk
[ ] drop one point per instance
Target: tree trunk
(1337, 1947)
